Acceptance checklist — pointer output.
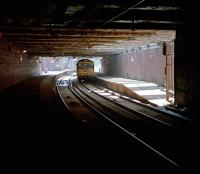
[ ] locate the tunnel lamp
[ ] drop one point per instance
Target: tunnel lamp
(24, 51)
(132, 59)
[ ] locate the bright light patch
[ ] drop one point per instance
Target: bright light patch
(99, 91)
(66, 78)
(51, 72)
(159, 102)
(139, 85)
(115, 97)
(104, 94)
(150, 92)
(153, 92)
(116, 94)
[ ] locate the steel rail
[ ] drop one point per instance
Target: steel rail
(77, 94)
(132, 110)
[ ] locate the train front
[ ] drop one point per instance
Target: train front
(85, 70)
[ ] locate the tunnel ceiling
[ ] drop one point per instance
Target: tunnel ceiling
(91, 27)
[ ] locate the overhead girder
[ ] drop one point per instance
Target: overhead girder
(80, 25)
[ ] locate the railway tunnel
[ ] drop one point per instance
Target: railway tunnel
(141, 41)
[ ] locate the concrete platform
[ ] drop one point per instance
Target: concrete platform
(150, 91)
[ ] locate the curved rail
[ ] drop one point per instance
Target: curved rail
(89, 101)
(142, 114)
(168, 118)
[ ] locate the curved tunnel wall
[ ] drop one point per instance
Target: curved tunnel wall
(14, 65)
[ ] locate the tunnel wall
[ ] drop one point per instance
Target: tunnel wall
(147, 65)
(14, 66)
(187, 69)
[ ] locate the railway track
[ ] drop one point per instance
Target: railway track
(118, 116)
(172, 139)
(115, 142)
(146, 111)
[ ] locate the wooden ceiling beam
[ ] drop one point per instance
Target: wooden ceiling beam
(95, 39)
(61, 31)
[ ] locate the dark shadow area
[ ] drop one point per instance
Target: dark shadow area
(44, 137)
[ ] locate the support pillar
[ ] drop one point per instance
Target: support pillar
(187, 69)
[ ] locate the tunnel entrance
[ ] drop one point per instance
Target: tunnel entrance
(56, 65)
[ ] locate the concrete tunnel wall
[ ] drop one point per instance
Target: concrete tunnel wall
(187, 69)
(14, 65)
(147, 65)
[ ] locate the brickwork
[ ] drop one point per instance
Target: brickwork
(14, 65)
